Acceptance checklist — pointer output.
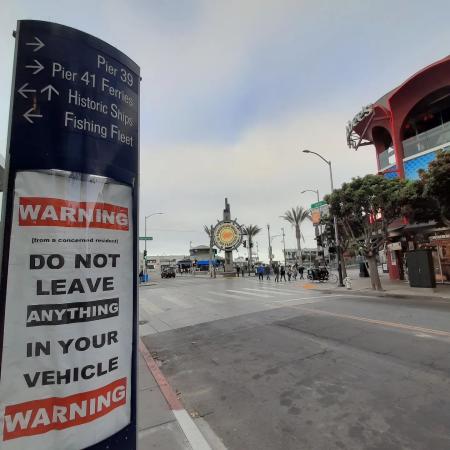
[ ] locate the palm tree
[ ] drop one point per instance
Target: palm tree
(207, 230)
(296, 216)
(250, 231)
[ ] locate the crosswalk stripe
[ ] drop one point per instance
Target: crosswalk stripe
(223, 294)
(250, 293)
(270, 291)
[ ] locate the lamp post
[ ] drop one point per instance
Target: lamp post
(316, 191)
(284, 246)
(336, 231)
(145, 230)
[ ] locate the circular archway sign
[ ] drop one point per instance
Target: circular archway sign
(227, 235)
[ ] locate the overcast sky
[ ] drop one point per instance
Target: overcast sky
(232, 90)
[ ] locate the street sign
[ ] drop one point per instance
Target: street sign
(145, 238)
(68, 286)
(318, 204)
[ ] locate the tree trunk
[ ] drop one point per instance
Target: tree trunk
(298, 236)
(374, 275)
(343, 266)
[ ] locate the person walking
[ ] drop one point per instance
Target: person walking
(283, 273)
(276, 271)
(267, 271)
(294, 273)
(238, 270)
(260, 271)
(301, 269)
(289, 273)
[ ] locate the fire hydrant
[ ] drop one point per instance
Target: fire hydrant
(348, 282)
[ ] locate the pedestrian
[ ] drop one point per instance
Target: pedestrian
(289, 273)
(283, 273)
(301, 269)
(238, 269)
(260, 271)
(267, 272)
(295, 272)
(276, 271)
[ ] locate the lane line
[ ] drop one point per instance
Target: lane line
(401, 326)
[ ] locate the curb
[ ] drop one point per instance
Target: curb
(371, 293)
(187, 425)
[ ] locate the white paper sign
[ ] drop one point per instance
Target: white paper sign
(66, 363)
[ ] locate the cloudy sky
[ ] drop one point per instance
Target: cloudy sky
(233, 89)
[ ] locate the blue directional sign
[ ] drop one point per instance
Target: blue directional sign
(76, 103)
(69, 240)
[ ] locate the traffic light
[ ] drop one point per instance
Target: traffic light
(329, 233)
(251, 244)
(145, 255)
(245, 244)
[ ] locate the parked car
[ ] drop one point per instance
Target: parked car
(168, 272)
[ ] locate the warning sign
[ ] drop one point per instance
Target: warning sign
(66, 363)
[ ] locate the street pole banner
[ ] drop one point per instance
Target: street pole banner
(68, 292)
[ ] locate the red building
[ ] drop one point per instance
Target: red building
(407, 126)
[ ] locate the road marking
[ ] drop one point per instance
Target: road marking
(398, 325)
(270, 291)
(229, 296)
(281, 291)
(253, 294)
(309, 298)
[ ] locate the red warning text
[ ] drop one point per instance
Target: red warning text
(56, 212)
(58, 413)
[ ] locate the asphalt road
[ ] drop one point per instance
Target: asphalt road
(281, 366)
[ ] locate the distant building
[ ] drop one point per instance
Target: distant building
(309, 255)
(156, 263)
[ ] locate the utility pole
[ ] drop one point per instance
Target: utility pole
(284, 246)
(270, 245)
(211, 252)
(336, 230)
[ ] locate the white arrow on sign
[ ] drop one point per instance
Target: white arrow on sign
(38, 43)
(49, 89)
(28, 115)
(23, 89)
(38, 67)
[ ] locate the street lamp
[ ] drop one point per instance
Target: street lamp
(316, 191)
(145, 228)
(336, 231)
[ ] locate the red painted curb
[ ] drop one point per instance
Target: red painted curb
(166, 388)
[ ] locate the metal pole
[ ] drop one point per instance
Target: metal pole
(270, 245)
(284, 246)
(210, 250)
(336, 234)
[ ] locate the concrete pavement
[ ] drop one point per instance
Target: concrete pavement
(278, 366)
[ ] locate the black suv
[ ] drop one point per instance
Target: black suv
(168, 272)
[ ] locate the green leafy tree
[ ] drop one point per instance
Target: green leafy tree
(365, 207)
(296, 216)
(251, 231)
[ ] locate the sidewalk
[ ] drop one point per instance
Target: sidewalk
(163, 423)
(394, 288)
